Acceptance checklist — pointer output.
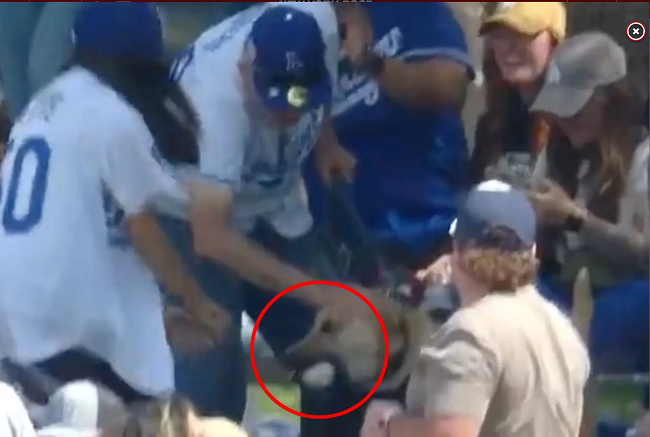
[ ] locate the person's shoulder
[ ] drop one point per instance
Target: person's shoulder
(472, 321)
(83, 92)
(213, 69)
(226, 38)
(8, 395)
(14, 419)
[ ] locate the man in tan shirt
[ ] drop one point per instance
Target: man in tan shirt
(508, 363)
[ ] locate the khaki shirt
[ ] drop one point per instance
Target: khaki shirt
(514, 362)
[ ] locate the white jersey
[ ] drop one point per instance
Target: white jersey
(14, 419)
(236, 147)
(79, 161)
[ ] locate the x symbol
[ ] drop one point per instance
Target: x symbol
(636, 31)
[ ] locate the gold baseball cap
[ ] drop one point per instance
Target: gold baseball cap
(529, 18)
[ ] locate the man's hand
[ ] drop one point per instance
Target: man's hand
(184, 332)
(438, 273)
(333, 160)
(358, 33)
(210, 316)
(378, 415)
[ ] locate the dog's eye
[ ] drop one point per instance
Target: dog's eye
(328, 327)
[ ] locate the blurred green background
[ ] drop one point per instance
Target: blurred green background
(616, 401)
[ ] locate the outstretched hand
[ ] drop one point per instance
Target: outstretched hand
(197, 327)
(438, 273)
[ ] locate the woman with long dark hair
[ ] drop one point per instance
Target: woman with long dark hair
(82, 252)
(592, 197)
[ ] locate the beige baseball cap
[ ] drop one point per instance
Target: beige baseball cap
(578, 67)
(529, 18)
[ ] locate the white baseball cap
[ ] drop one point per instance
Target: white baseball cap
(82, 406)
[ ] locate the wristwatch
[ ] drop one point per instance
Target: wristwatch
(370, 62)
(575, 221)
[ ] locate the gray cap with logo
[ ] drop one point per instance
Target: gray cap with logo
(578, 67)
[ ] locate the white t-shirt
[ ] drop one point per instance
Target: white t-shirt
(80, 160)
(239, 149)
(633, 214)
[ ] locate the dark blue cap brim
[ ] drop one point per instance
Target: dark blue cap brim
(276, 97)
(488, 210)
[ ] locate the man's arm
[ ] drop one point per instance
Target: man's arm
(215, 238)
(152, 245)
(435, 68)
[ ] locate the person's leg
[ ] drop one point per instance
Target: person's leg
(619, 325)
(619, 329)
(18, 21)
(215, 380)
(51, 44)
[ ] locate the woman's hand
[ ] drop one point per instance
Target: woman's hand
(438, 273)
(552, 204)
(378, 415)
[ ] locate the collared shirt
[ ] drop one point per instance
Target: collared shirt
(513, 362)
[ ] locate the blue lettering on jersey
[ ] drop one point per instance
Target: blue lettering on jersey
(357, 88)
(36, 148)
(410, 163)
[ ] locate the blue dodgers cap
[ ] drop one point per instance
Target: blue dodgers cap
(119, 29)
(289, 70)
(495, 215)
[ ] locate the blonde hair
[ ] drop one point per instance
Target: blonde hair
(501, 271)
(167, 418)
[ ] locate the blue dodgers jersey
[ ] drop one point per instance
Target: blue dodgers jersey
(411, 164)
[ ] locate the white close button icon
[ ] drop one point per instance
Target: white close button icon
(635, 31)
